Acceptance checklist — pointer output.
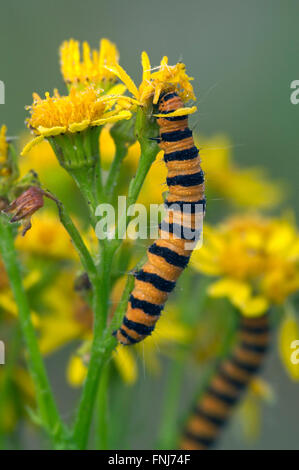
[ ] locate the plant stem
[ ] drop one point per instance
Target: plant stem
(99, 352)
(103, 410)
(102, 347)
(114, 171)
(84, 178)
(46, 403)
(65, 219)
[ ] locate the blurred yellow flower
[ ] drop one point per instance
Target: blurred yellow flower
(244, 187)
(47, 238)
(21, 395)
(7, 302)
(256, 259)
(250, 409)
(66, 317)
(41, 158)
(92, 66)
(288, 342)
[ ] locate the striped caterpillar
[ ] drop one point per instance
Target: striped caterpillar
(169, 255)
(231, 378)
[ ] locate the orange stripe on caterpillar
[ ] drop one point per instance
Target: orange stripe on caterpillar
(230, 380)
(168, 256)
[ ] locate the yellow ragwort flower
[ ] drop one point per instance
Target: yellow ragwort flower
(158, 80)
(91, 66)
(259, 393)
(21, 391)
(66, 316)
(244, 187)
(47, 238)
(79, 110)
(255, 259)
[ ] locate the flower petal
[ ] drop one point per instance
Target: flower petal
(178, 112)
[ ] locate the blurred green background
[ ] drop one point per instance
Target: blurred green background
(243, 56)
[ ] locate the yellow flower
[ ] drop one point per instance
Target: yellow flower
(256, 260)
(248, 187)
(40, 158)
(76, 371)
(92, 66)
(289, 345)
(80, 110)
(157, 81)
(7, 302)
(21, 392)
(250, 410)
(47, 238)
(66, 316)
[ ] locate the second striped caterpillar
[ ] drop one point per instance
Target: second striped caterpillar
(232, 377)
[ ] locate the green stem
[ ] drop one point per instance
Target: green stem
(46, 403)
(83, 178)
(114, 171)
(99, 353)
(103, 410)
(65, 219)
(102, 347)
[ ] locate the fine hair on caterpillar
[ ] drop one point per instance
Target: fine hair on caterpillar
(179, 230)
(231, 379)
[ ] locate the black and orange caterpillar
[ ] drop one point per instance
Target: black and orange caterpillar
(231, 378)
(169, 255)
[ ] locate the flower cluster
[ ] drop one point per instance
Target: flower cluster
(256, 258)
